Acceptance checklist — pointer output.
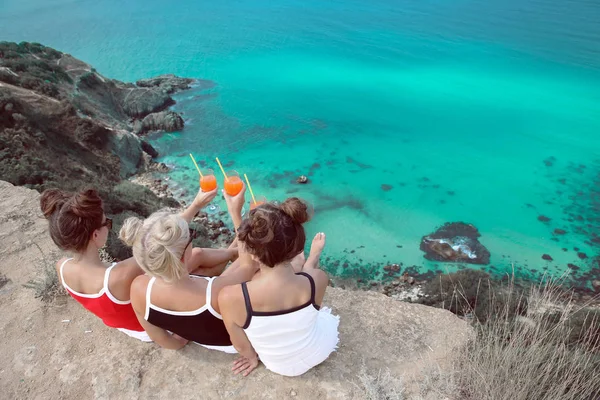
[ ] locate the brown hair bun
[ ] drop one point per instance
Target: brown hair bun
(72, 218)
(296, 209)
(274, 233)
(52, 200)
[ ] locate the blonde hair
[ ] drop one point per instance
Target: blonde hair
(158, 243)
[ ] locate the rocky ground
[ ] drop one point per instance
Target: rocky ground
(56, 350)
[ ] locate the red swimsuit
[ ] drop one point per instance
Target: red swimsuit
(114, 313)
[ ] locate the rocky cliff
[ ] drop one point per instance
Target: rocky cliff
(57, 350)
(64, 125)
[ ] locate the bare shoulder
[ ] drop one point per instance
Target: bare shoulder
(127, 270)
(138, 291)
(229, 296)
(59, 263)
(319, 276)
(231, 304)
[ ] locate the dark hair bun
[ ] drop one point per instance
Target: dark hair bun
(86, 203)
(52, 201)
(72, 218)
(256, 231)
(296, 209)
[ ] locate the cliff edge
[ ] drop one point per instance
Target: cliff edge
(58, 350)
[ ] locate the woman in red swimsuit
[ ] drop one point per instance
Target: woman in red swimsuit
(78, 224)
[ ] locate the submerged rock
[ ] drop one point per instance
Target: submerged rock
(302, 179)
(168, 121)
(547, 257)
(455, 242)
(168, 82)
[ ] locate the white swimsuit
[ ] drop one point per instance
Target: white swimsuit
(293, 341)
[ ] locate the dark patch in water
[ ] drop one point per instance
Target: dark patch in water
(451, 192)
(549, 161)
(547, 257)
(360, 165)
(386, 188)
(559, 231)
(543, 218)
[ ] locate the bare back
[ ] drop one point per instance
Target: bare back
(89, 278)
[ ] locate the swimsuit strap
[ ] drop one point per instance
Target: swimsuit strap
(312, 286)
(148, 292)
(62, 278)
(248, 305)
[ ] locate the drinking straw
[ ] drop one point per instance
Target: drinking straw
(192, 157)
(222, 170)
(250, 187)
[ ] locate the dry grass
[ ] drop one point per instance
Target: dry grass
(538, 355)
(382, 386)
(530, 344)
(46, 285)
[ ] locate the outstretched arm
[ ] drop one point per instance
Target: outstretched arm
(202, 200)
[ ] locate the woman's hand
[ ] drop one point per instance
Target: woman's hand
(204, 198)
(234, 206)
(235, 203)
(245, 365)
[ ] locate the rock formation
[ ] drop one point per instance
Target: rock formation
(455, 242)
(168, 83)
(64, 125)
(62, 351)
(168, 121)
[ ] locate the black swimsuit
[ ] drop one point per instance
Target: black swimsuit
(204, 326)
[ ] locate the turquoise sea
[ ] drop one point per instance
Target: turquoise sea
(483, 111)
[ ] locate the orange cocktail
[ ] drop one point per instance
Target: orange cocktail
(259, 202)
(208, 181)
(233, 184)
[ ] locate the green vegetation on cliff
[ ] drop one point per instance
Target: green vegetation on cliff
(63, 125)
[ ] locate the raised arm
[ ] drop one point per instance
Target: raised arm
(231, 302)
(202, 200)
(235, 205)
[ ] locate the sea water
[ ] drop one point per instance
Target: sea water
(404, 115)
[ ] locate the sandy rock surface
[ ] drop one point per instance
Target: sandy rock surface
(59, 351)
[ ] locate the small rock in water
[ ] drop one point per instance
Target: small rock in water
(302, 179)
(386, 188)
(558, 231)
(547, 257)
(543, 218)
(582, 255)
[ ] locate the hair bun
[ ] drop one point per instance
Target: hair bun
(296, 209)
(130, 230)
(52, 200)
(85, 203)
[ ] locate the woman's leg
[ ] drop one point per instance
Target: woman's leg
(213, 261)
(298, 261)
(316, 248)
